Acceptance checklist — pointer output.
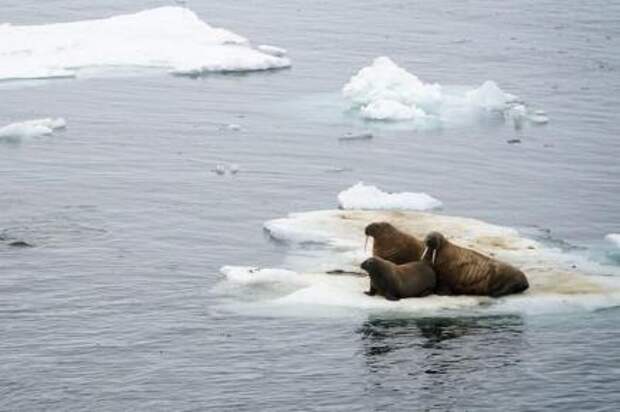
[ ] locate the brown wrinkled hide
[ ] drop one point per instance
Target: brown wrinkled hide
(393, 245)
(461, 271)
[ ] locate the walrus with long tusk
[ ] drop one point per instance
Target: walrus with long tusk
(394, 282)
(391, 244)
(462, 271)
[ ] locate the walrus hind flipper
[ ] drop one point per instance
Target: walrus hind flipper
(391, 297)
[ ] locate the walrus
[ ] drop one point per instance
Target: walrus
(461, 271)
(391, 244)
(394, 282)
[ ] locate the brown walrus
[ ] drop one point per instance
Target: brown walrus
(394, 282)
(391, 244)
(462, 271)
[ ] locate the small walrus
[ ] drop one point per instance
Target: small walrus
(394, 282)
(462, 271)
(391, 244)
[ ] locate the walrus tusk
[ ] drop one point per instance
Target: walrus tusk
(424, 253)
(366, 244)
(434, 256)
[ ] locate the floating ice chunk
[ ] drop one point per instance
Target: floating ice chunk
(384, 85)
(305, 291)
(361, 196)
(614, 238)
(169, 38)
(384, 91)
(272, 50)
(32, 128)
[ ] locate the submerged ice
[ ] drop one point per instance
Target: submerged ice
(170, 38)
(385, 91)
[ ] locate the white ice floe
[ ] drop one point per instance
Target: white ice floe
(169, 38)
(334, 239)
(361, 196)
(385, 91)
(32, 128)
(614, 238)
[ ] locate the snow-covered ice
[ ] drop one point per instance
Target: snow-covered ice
(32, 128)
(384, 91)
(362, 196)
(170, 38)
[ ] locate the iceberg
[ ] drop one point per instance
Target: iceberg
(174, 39)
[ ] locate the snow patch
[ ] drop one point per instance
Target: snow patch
(169, 38)
(361, 196)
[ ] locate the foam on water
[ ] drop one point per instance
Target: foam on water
(32, 128)
(361, 196)
(170, 38)
(384, 91)
(329, 239)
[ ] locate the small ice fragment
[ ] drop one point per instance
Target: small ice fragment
(234, 127)
(272, 50)
(233, 168)
(220, 169)
(32, 128)
(513, 141)
(357, 136)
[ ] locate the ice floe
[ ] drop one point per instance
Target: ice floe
(32, 128)
(361, 196)
(170, 38)
(322, 240)
(384, 91)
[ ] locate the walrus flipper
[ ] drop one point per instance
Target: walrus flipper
(391, 297)
(371, 292)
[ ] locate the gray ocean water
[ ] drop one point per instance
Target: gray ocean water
(113, 308)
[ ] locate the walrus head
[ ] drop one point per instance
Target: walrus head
(376, 228)
(369, 264)
(433, 242)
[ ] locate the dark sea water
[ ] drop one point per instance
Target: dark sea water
(113, 309)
